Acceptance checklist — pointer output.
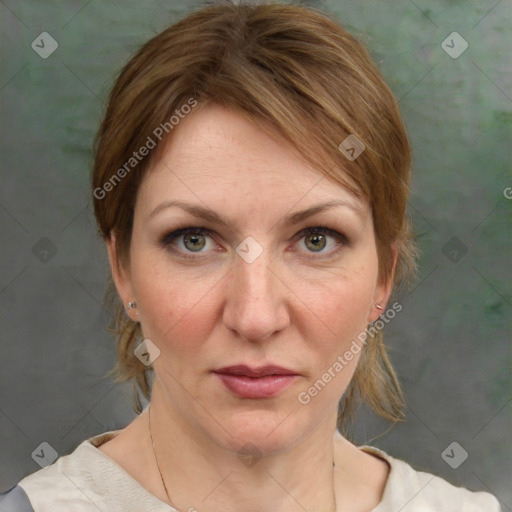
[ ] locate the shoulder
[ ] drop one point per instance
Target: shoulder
(86, 481)
(69, 481)
(409, 490)
(15, 500)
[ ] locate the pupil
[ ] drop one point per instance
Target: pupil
(194, 240)
(316, 239)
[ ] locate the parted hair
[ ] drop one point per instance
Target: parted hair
(290, 68)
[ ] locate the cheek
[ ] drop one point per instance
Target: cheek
(180, 308)
(334, 334)
(175, 308)
(339, 305)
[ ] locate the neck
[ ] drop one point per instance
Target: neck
(200, 474)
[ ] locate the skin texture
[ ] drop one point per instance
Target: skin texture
(299, 305)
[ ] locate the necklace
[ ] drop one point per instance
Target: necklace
(161, 476)
(156, 459)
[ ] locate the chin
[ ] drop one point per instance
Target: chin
(268, 431)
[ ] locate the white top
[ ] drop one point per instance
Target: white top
(87, 480)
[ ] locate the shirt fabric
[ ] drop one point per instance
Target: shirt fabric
(15, 499)
(87, 480)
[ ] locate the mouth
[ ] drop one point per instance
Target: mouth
(256, 382)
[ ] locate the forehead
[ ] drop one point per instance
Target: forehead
(216, 155)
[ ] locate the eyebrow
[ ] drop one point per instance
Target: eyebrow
(289, 220)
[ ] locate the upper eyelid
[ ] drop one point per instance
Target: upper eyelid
(179, 231)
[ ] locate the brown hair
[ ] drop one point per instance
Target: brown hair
(288, 67)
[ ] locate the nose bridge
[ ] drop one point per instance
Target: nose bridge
(254, 302)
(255, 277)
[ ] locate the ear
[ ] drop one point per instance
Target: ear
(384, 289)
(121, 276)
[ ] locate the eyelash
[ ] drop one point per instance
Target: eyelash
(168, 238)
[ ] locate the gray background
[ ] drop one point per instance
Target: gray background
(450, 344)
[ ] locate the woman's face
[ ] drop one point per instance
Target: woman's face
(248, 286)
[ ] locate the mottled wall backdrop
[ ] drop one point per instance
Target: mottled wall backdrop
(448, 62)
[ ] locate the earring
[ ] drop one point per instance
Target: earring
(131, 305)
(378, 306)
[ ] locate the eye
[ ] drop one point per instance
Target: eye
(193, 240)
(316, 239)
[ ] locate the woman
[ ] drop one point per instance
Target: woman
(250, 182)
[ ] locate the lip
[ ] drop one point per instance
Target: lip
(256, 382)
(253, 371)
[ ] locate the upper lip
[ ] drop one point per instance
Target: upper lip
(251, 371)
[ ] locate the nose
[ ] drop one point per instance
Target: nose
(256, 305)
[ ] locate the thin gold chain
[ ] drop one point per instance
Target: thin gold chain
(162, 478)
(156, 458)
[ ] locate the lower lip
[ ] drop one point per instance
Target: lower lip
(260, 387)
